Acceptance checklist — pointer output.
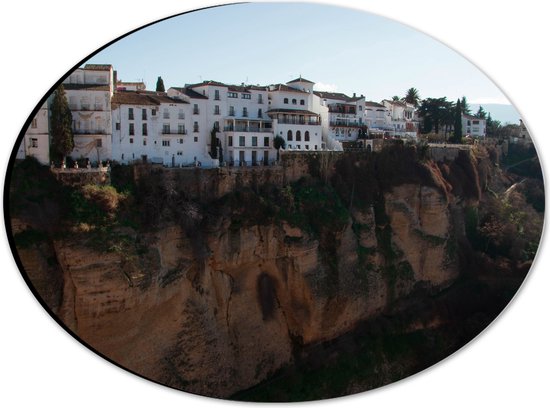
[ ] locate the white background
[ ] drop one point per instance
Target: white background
(41, 365)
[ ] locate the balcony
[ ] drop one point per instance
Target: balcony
(174, 132)
(339, 123)
(239, 128)
(296, 121)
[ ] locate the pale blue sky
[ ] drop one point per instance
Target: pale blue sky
(341, 49)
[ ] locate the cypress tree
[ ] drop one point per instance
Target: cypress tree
(62, 138)
(213, 144)
(160, 85)
(457, 133)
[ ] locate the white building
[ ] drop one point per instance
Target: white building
(296, 116)
(36, 142)
(377, 118)
(89, 91)
(473, 126)
(402, 118)
(153, 127)
(239, 115)
(344, 117)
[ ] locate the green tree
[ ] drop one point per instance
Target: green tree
(457, 130)
(412, 96)
(279, 143)
(160, 85)
(395, 98)
(481, 113)
(465, 107)
(436, 113)
(62, 138)
(213, 143)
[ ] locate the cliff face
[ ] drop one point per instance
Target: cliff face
(218, 310)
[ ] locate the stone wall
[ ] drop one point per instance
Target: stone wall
(80, 177)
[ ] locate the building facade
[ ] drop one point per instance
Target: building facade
(402, 118)
(36, 142)
(473, 126)
(344, 117)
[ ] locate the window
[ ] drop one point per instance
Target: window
(34, 142)
(144, 129)
(290, 146)
(166, 143)
(195, 139)
(181, 115)
(260, 98)
(245, 96)
(259, 113)
(245, 112)
(131, 140)
(289, 136)
(179, 153)
(298, 147)
(216, 109)
(117, 126)
(33, 124)
(130, 113)
(144, 114)
(315, 147)
(475, 122)
(231, 111)
(294, 101)
(153, 112)
(241, 141)
(144, 142)
(180, 141)
(254, 141)
(230, 141)
(232, 95)
(217, 94)
(195, 126)
(360, 108)
(166, 114)
(266, 141)
(131, 129)
(302, 102)
(195, 109)
(181, 129)
(285, 100)
(166, 128)
(307, 147)
(217, 126)
(306, 136)
(298, 136)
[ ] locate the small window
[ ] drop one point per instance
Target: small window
(289, 136)
(298, 136)
(245, 112)
(117, 126)
(153, 112)
(298, 147)
(131, 140)
(231, 111)
(130, 113)
(260, 98)
(195, 109)
(232, 95)
(254, 141)
(195, 127)
(217, 94)
(181, 114)
(241, 141)
(131, 129)
(144, 142)
(245, 96)
(294, 101)
(216, 109)
(34, 142)
(166, 143)
(195, 139)
(181, 129)
(302, 102)
(166, 114)
(181, 141)
(266, 141)
(144, 114)
(34, 123)
(179, 153)
(166, 128)
(259, 113)
(286, 100)
(230, 141)
(307, 147)
(306, 136)
(144, 129)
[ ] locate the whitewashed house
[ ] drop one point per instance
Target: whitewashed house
(402, 118)
(344, 117)
(153, 127)
(296, 117)
(89, 91)
(473, 126)
(36, 142)
(239, 115)
(377, 118)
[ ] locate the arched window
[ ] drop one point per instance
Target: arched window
(294, 101)
(302, 102)
(306, 136)
(298, 136)
(286, 100)
(289, 136)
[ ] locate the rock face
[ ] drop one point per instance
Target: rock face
(223, 322)
(218, 312)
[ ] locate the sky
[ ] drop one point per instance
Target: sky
(340, 49)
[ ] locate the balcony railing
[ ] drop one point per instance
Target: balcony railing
(290, 121)
(346, 124)
(174, 132)
(247, 129)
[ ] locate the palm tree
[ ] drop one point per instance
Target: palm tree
(395, 98)
(412, 96)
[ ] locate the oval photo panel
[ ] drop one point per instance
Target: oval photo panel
(274, 212)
